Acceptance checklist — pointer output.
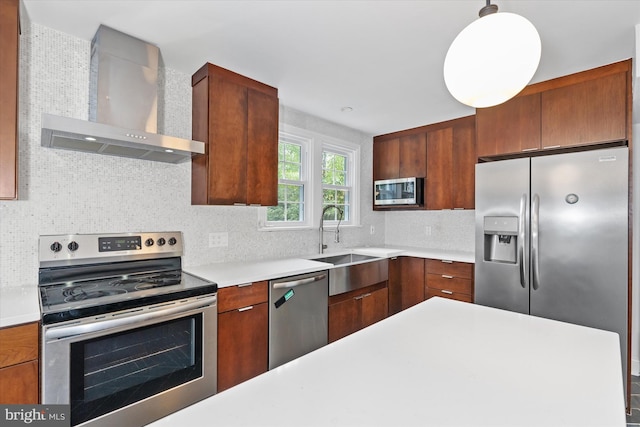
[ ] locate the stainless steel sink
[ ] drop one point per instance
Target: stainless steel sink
(354, 271)
(344, 259)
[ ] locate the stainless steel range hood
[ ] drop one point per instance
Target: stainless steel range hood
(123, 106)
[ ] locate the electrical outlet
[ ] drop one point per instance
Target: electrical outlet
(372, 230)
(427, 230)
(218, 240)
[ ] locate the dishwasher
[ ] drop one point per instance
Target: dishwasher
(298, 316)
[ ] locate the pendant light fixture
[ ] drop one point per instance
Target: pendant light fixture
(492, 59)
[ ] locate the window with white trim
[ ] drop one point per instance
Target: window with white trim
(336, 183)
(314, 171)
(292, 182)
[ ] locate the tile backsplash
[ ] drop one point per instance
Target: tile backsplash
(65, 192)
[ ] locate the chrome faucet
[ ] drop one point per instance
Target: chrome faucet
(321, 230)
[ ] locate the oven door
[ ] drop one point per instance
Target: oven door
(133, 367)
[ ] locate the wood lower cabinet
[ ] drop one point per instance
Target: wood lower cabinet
(9, 52)
(237, 119)
(406, 283)
(449, 279)
(243, 333)
(352, 311)
(19, 365)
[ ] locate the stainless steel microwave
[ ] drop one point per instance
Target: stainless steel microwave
(400, 191)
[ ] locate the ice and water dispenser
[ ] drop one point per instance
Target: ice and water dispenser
(501, 239)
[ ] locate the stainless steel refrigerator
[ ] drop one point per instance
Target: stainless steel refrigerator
(551, 236)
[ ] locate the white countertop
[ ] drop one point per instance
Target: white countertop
(235, 273)
(19, 304)
(439, 363)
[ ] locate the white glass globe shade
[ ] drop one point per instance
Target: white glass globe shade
(492, 59)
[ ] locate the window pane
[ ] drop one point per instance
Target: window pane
(293, 153)
(293, 212)
(294, 193)
(275, 213)
(292, 171)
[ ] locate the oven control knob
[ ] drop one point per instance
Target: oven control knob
(148, 242)
(56, 247)
(172, 241)
(161, 241)
(73, 246)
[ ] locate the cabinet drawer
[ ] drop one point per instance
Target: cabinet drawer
(449, 268)
(449, 283)
(18, 344)
(454, 295)
(235, 297)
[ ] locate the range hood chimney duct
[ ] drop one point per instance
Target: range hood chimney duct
(123, 106)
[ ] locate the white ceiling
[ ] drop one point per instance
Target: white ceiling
(382, 58)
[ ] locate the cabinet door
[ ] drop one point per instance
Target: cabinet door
(262, 149)
(511, 127)
(464, 161)
(227, 142)
(242, 344)
(395, 285)
(413, 156)
(406, 283)
(9, 39)
(20, 384)
(344, 318)
(439, 169)
(386, 159)
(374, 307)
(590, 112)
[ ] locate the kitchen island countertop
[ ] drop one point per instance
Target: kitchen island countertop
(443, 363)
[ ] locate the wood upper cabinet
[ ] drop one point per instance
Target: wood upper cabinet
(589, 112)
(402, 157)
(19, 364)
(451, 158)
(243, 333)
(352, 311)
(9, 53)
(237, 119)
(386, 159)
(581, 109)
(512, 127)
(406, 283)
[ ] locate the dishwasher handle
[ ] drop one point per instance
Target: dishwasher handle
(299, 282)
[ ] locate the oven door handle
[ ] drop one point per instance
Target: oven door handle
(53, 333)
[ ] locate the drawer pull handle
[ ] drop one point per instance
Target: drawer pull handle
(362, 296)
(446, 261)
(245, 308)
(447, 292)
(446, 276)
(244, 285)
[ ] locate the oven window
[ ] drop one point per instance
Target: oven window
(113, 371)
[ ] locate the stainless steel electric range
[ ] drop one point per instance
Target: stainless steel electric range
(127, 336)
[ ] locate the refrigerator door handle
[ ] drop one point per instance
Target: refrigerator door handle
(523, 269)
(535, 241)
